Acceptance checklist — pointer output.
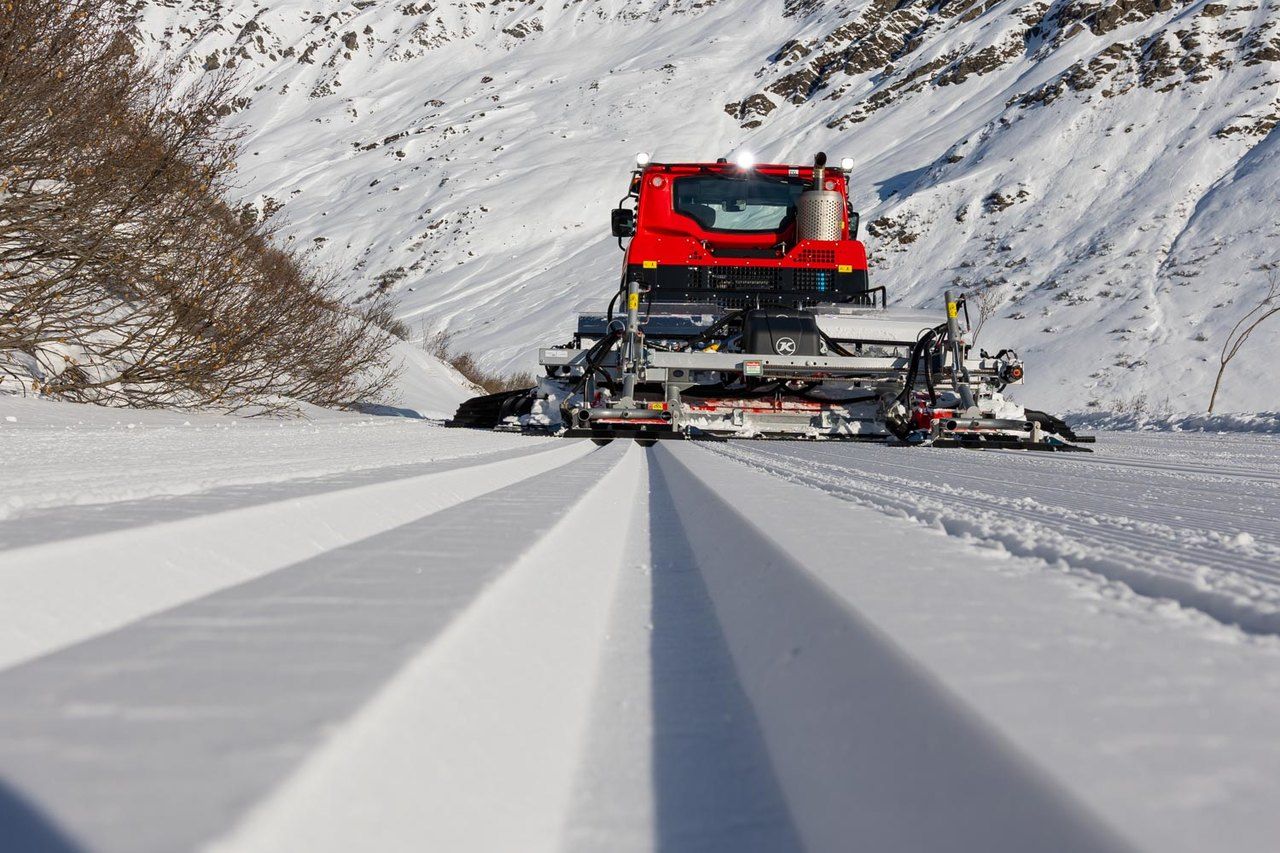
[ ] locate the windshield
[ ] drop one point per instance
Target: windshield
(722, 203)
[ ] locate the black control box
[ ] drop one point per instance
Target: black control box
(777, 332)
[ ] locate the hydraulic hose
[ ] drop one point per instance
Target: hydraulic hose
(901, 428)
(595, 357)
(713, 329)
(612, 303)
(605, 379)
(928, 382)
(918, 354)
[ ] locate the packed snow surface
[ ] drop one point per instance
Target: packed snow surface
(361, 632)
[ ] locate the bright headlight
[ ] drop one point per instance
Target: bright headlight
(847, 164)
(745, 160)
(642, 159)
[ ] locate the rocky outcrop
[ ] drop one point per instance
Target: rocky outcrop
(886, 51)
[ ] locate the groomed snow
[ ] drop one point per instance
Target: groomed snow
(375, 632)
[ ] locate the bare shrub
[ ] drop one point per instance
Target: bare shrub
(988, 301)
(440, 345)
(436, 344)
(125, 277)
(1137, 406)
(495, 383)
(1266, 308)
(382, 313)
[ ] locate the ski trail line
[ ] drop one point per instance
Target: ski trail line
(723, 760)
(714, 780)
(71, 521)
(867, 747)
(1236, 585)
(474, 744)
(158, 736)
(834, 613)
(96, 464)
(675, 758)
(718, 648)
(63, 592)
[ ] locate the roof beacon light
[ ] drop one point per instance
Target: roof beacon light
(745, 160)
(642, 159)
(847, 164)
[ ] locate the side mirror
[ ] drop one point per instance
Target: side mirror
(623, 221)
(855, 221)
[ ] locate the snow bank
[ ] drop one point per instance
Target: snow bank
(1258, 422)
(426, 388)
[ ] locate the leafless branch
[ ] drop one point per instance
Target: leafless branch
(1266, 308)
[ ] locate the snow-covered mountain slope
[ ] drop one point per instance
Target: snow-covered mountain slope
(1106, 167)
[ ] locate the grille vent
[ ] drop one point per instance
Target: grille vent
(816, 256)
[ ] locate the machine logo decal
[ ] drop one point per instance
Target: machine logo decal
(784, 346)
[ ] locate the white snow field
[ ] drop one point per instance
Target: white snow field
(374, 633)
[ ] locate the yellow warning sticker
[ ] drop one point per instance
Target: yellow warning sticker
(651, 265)
(951, 310)
(846, 268)
(633, 302)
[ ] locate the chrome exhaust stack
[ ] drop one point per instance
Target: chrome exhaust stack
(819, 211)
